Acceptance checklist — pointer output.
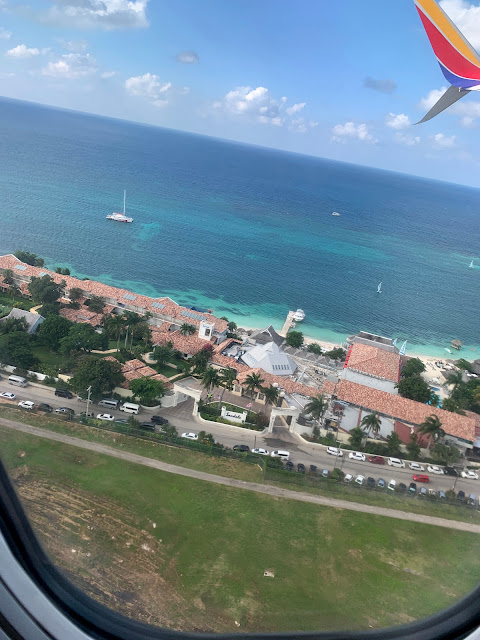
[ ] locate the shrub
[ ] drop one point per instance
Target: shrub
(337, 474)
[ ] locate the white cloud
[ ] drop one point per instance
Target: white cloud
(90, 14)
(75, 46)
(466, 16)
(467, 108)
(187, 57)
(397, 121)
(4, 34)
(430, 99)
(441, 141)
(407, 139)
(351, 131)
(295, 108)
(71, 66)
(149, 87)
(22, 51)
(257, 103)
(108, 74)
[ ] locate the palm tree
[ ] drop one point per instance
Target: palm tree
(449, 404)
(433, 428)
(131, 319)
(271, 394)
(455, 379)
(116, 325)
(226, 379)
(370, 422)
(317, 407)
(187, 329)
(253, 381)
(210, 378)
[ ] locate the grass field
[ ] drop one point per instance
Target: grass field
(201, 566)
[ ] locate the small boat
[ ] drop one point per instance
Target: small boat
(471, 265)
(120, 217)
(446, 349)
(379, 288)
(299, 315)
(335, 213)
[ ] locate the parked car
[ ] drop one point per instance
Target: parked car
(396, 462)
(471, 500)
(348, 478)
(241, 447)
(412, 487)
(432, 468)
(355, 455)
(381, 483)
(43, 406)
(159, 420)
(190, 436)
(120, 420)
(420, 477)
(65, 410)
(432, 493)
(64, 393)
(451, 471)
(313, 468)
(8, 395)
(325, 473)
(334, 451)
(300, 467)
(289, 465)
(391, 485)
(423, 492)
(461, 496)
(402, 487)
(26, 404)
(278, 453)
(376, 459)
(371, 482)
(415, 466)
(360, 480)
(147, 426)
(105, 416)
(468, 473)
(441, 495)
(262, 452)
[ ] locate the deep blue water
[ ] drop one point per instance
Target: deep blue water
(245, 230)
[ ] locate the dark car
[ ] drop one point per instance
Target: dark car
(412, 487)
(241, 447)
(289, 465)
(376, 459)
(147, 426)
(450, 471)
(370, 483)
(64, 393)
(313, 468)
(300, 467)
(159, 420)
(461, 496)
(402, 487)
(43, 406)
(121, 421)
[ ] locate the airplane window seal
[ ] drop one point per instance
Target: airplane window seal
(94, 620)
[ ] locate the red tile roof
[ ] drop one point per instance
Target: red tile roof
(290, 386)
(373, 361)
(131, 365)
(185, 344)
(402, 409)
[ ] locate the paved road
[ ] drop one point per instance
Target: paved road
(300, 451)
(273, 491)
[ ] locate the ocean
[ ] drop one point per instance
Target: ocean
(243, 230)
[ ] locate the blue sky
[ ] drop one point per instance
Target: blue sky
(338, 80)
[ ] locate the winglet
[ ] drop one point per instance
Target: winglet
(451, 95)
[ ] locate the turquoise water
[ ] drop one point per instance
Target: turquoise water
(244, 230)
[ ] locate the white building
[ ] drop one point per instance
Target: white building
(270, 358)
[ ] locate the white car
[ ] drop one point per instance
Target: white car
(360, 480)
(105, 416)
(396, 462)
(8, 395)
(348, 477)
(471, 475)
(26, 404)
(414, 466)
(190, 436)
(333, 451)
(391, 485)
(262, 452)
(356, 456)
(434, 469)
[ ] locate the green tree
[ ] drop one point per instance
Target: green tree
(163, 353)
(52, 330)
(272, 394)
(463, 364)
(393, 443)
(337, 354)
(102, 375)
(413, 448)
(64, 271)
(114, 326)
(370, 422)
(252, 382)
(414, 367)
(9, 325)
(198, 362)
(132, 319)
(75, 293)
(356, 438)
(443, 454)
(415, 388)
(210, 379)
(147, 390)
(29, 258)
(431, 427)
(434, 399)
(294, 339)
(232, 326)
(315, 348)
(45, 290)
(49, 309)
(455, 380)
(169, 430)
(316, 407)
(8, 276)
(82, 337)
(96, 304)
(187, 329)
(227, 379)
(206, 438)
(449, 404)
(16, 350)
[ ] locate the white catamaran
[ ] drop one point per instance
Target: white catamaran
(379, 288)
(120, 217)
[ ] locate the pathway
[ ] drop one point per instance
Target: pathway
(273, 491)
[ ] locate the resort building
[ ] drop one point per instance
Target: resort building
(372, 367)
(270, 358)
(264, 336)
(372, 340)
(32, 320)
(397, 414)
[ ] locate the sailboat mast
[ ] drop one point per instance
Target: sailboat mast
(124, 196)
